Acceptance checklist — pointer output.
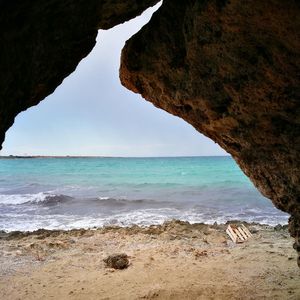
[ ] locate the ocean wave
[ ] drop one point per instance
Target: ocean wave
(124, 201)
(141, 217)
(102, 198)
(37, 198)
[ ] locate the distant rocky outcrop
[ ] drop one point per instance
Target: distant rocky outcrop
(229, 68)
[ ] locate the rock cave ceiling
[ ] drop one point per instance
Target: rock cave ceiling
(229, 68)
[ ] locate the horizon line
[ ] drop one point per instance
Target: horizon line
(106, 156)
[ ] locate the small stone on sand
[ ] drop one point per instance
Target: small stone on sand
(117, 261)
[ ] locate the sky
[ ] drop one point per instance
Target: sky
(91, 113)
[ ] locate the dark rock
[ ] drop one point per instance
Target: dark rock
(117, 261)
(16, 235)
(253, 230)
(232, 72)
(296, 246)
(3, 234)
(278, 227)
(42, 42)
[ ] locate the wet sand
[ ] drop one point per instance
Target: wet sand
(175, 260)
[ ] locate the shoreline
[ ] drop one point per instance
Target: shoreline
(10, 234)
(175, 260)
(23, 233)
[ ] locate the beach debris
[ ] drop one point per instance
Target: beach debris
(200, 253)
(117, 261)
(280, 227)
(238, 234)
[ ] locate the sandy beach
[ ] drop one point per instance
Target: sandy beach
(175, 260)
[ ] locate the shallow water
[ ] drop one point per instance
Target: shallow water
(69, 193)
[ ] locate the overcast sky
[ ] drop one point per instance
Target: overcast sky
(91, 113)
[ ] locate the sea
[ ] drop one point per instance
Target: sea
(88, 192)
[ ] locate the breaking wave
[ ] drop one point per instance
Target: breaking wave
(41, 198)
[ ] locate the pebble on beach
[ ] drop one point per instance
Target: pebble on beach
(117, 261)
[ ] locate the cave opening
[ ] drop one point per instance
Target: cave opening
(95, 179)
(92, 115)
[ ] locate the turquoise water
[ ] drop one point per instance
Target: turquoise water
(85, 192)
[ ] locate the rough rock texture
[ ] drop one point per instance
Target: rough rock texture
(229, 68)
(117, 261)
(232, 70)
(42, 42)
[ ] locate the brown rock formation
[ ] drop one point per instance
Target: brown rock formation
(42, 42)
(232, 70)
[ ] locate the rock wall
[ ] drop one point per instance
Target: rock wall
(42, 42)
(232, 70)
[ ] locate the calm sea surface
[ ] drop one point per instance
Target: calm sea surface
(69, 193)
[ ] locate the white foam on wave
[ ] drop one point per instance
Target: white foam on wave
(151, 217)
(103, 198)
(25, 198)
(141, 217)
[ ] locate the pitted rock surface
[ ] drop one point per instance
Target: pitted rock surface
(232, 70)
